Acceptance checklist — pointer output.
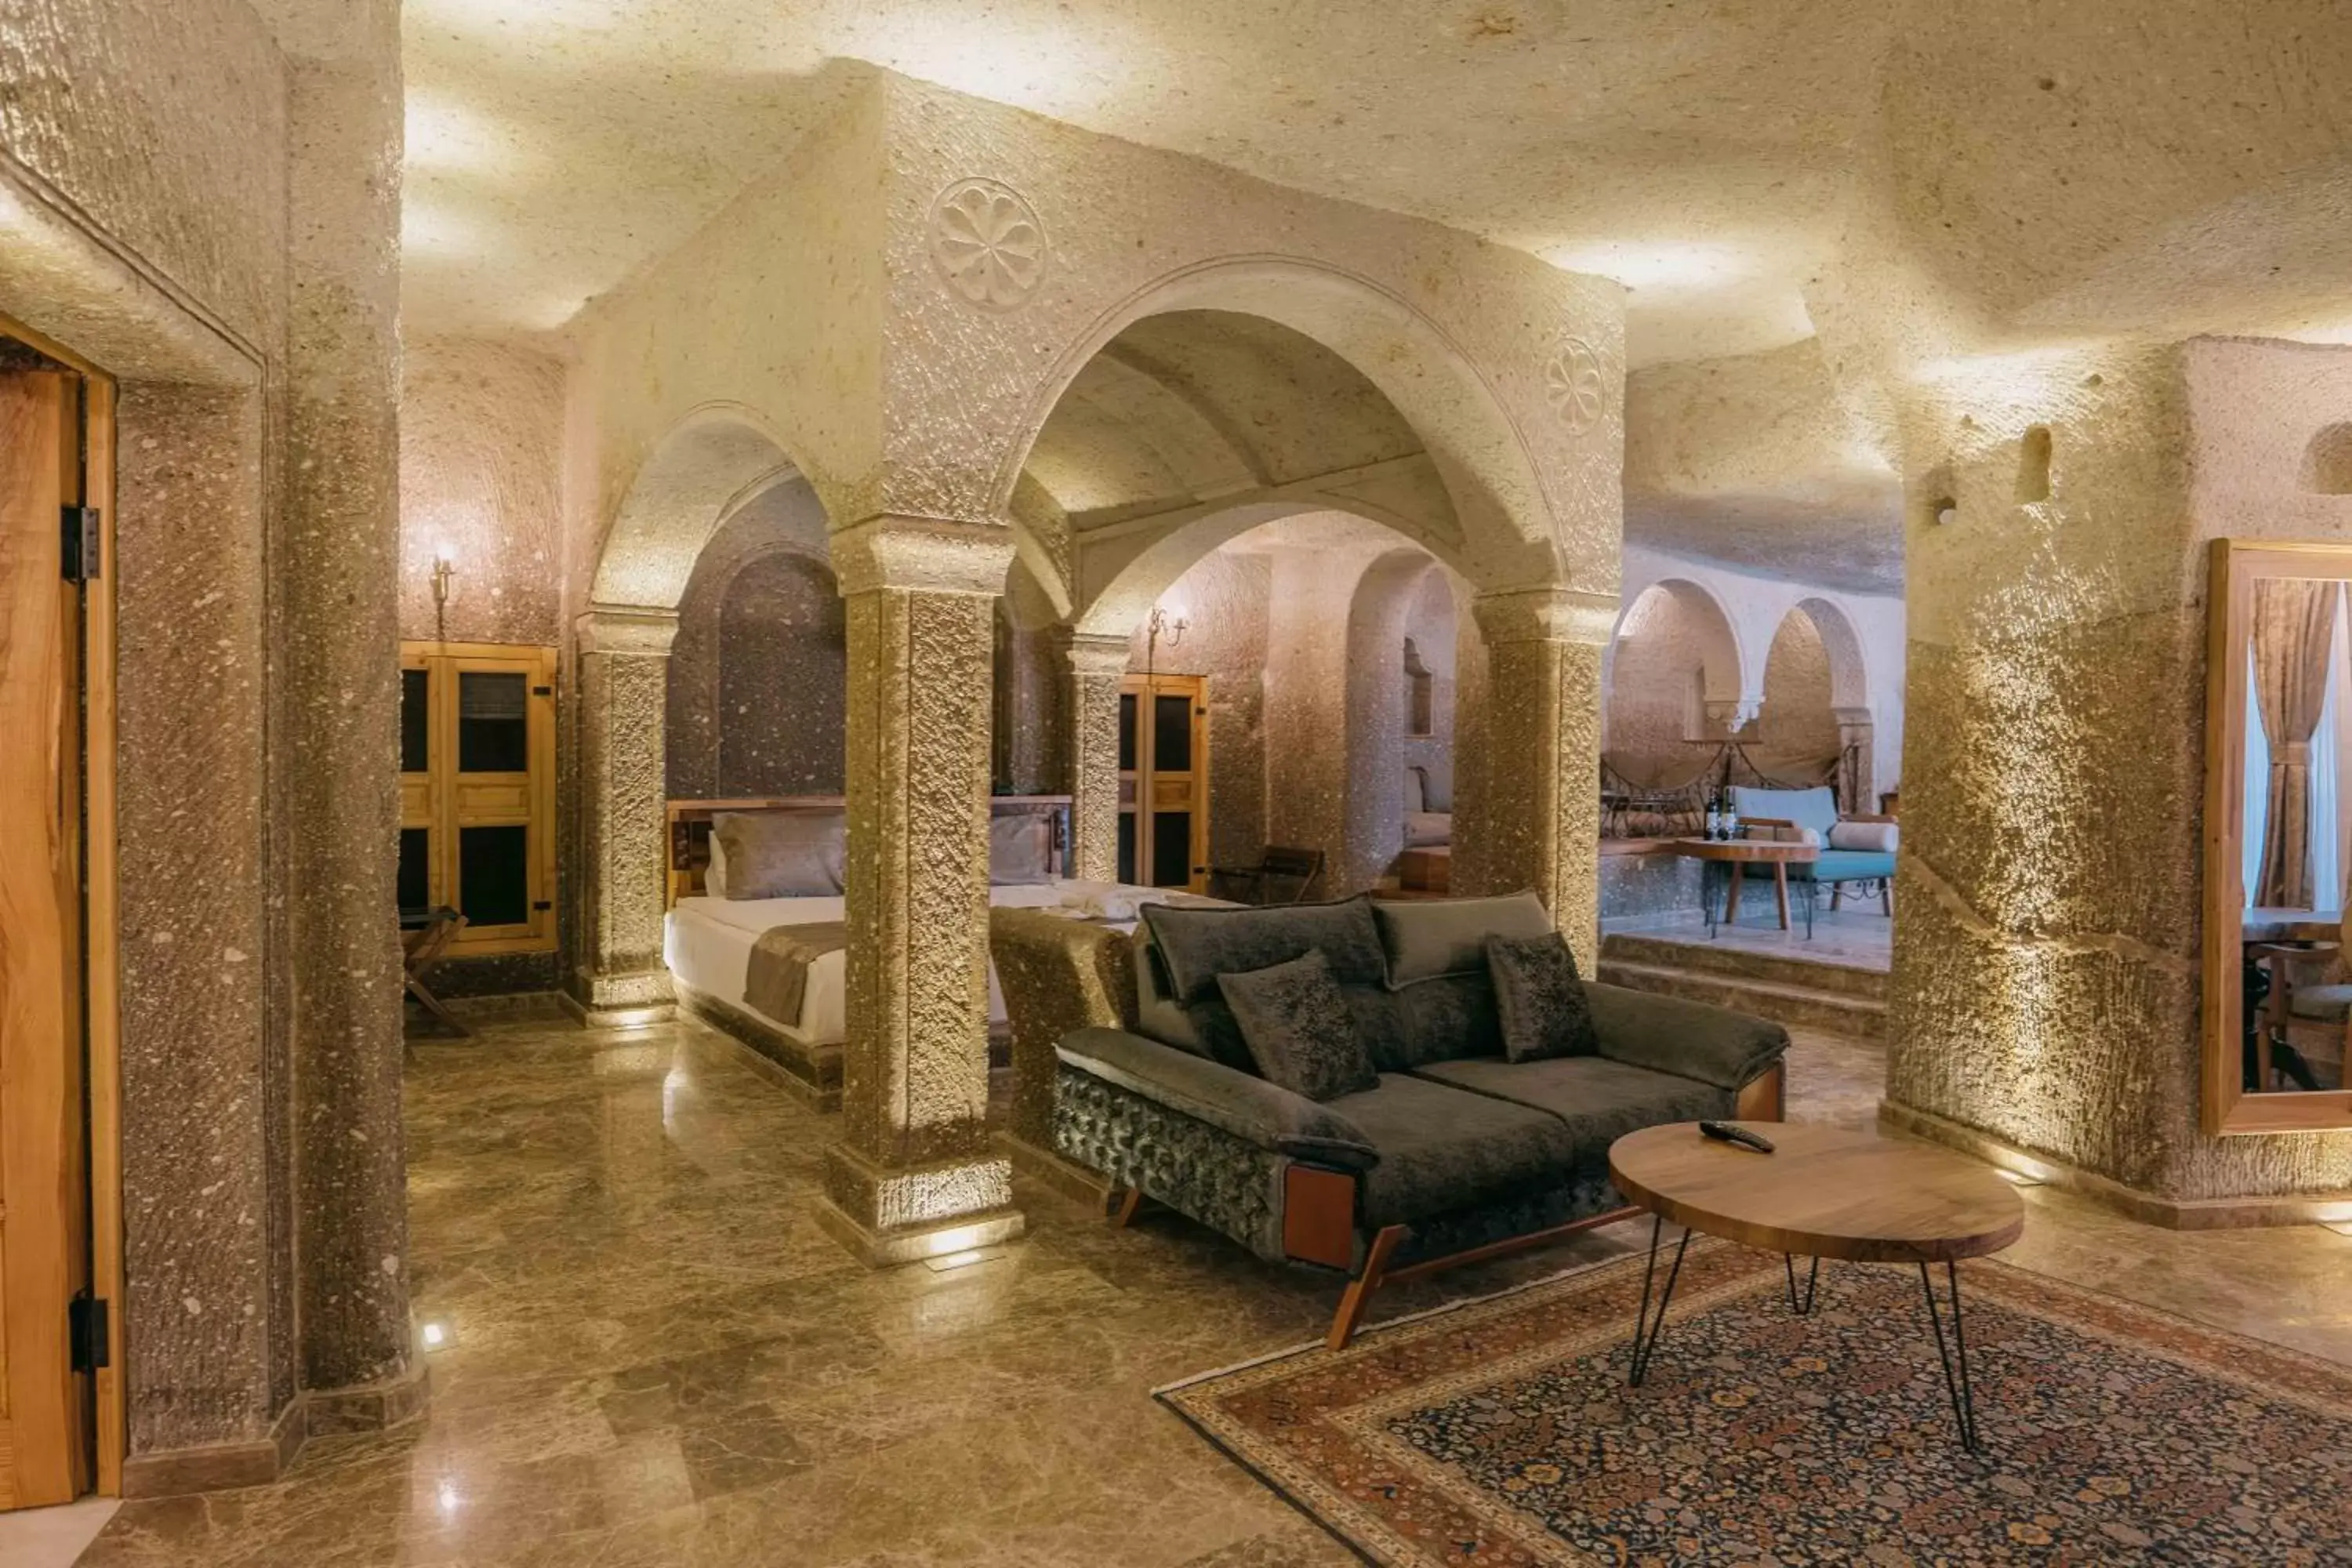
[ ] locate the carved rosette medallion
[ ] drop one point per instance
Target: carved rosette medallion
(1576, 387)
(988, 243)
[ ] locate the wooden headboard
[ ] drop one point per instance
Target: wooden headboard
(689, 828)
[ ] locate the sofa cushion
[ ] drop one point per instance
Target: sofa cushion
(1815, 808)
(1199, 944)
(1540, 998)
(1598, 1100)
(1868, 837)
(1298, 1029)
(1835, 866)
(1424, 938)
(1689, 1039)
(1437, 1020)
(1443, 1149)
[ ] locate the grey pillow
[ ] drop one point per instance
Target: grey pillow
(1020, 848)
(1199, 944)
(1421, 939)
(1299, 1029)
(782, 853)
(1540, 998)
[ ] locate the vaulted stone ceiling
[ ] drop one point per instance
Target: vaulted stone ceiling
(1807, 198)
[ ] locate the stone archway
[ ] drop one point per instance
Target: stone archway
(1675, 673)
(1850, 703)
(714, 461)
(1465, 489)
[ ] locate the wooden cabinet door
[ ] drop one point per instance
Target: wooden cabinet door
(1164, 781)
(45, 1407)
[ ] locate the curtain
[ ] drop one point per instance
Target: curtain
(2294, 622)
(2326, 874)
(2332, 894)
(2258, 788)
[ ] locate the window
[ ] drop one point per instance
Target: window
(478, 790)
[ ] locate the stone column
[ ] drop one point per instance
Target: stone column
(623, 820)
(914, 1174)
(1540, 813)
(337, 584)
(1097, 665)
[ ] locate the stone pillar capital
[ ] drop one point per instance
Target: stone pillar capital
(922, 554)
(1546, 614)
(1729, 716)
(1094, 653)
(626, 628)
(1850, 717)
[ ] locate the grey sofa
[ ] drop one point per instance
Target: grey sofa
(1456, 1154)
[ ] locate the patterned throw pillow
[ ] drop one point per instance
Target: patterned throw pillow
(1298, 1029)
(1544, 1010)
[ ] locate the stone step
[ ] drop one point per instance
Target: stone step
(1797, 1006)
(1793, 967)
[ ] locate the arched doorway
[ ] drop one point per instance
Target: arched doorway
(716, 461)
(1276, 423)
(1675, 674)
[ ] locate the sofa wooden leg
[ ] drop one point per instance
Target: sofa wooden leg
(1124, 1204)
(1886, 897)
(1837, 891)
(1360, 1289)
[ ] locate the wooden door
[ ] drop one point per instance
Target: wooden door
(1163, 781)
(45, 1405)
(478, 791)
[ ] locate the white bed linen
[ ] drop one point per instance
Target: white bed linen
(707, 944)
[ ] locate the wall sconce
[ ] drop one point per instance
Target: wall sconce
(444, 569)
(1172, 626)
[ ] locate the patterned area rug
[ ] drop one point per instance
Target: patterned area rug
(1504, 1433)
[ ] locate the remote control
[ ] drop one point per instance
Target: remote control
(1726, 1132)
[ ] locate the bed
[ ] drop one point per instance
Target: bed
(1423, 828)
(710, 942)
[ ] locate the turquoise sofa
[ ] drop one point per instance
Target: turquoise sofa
(1817, 809)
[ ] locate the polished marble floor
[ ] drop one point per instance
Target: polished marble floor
(651, 1356)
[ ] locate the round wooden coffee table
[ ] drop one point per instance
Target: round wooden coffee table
(1825, 1192)
(1732, 856)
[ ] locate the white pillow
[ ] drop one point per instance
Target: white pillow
(1876, 838)
(714, 876)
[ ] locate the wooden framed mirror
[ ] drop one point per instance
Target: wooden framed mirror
(2278, 838)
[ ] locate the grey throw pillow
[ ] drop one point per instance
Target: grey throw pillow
(1540, 998)
(782, 853)
(1299, 1029)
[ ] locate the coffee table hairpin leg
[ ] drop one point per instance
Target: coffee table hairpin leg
(1647, 1329)
(1964, 1403)
(1802, 1306)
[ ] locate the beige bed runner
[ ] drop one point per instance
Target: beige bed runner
(777, 981)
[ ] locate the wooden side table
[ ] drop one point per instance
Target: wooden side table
(1734, 857)
(1824, 1191)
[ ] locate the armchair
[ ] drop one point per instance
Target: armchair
(1837, 867)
